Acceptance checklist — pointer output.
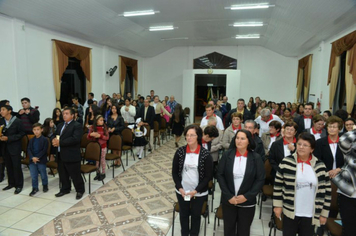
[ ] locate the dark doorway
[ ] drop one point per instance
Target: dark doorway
(129, 81)
(73, 83)
(207, 87)
(340, 93)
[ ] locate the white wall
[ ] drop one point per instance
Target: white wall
(263, 72)
(320, 68)
(26, 65)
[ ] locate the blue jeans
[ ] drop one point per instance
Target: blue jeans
(36, 169)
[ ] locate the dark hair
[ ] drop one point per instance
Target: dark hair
(91, 94)
(342, 114)
(335, 119)
(255, 126)
(283, 103)
(141, 97)
(350, 118)
(309, 104)
(287, 109)
(155, 96)
(37, 125)
(318, 118)
(328, 112)
(128, 99)
(8, 107)
(308, 137)
(25, 99)
(75, 98)
(276, 124)
(178, 109)
(211, 131)
(240, 100)
(70, 109)
(209, 106)
(117, 110)
(54, 115)
(198, 131)
(90, 101)
(95, 125)
(300, 105)
(290, 124)
(251, 142)
(46, 127)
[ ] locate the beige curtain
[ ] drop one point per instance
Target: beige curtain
(89, 82)
(123, 62)
(56, 78)
(299, 83)
(307, 75)
(349, 84)
(333, 81)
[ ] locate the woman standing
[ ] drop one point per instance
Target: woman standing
(241, 175)
(192, 170)
(178, 123)
(57, 116)
(166, 117)
(115, 125)
(302, 190)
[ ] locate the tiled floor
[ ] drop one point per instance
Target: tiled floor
(137, 202)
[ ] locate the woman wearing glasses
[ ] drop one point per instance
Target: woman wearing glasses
(302, 191)
(192, 170)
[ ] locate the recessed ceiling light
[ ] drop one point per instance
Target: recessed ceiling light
(247, 24)
(138, 13)
(179, 38)
(249, 6)
(160, 28)
(248, 36)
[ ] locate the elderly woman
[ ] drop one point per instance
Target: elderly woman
(241, 175)
(230, 132)
(270, 137)
(192, 170)
(317, 129)
(265, 119)
(302, 190)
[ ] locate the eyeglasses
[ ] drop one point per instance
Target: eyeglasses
(333, 127)
(191, 135)
(290, 130)
(302, 145)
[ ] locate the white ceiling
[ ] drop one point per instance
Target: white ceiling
(293, 26)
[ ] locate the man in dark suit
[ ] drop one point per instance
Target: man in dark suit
(255, 106)
(147, 115)
(252, 126)
(68, 155)
(11, 137)
(239, 109)
(305, 121)
(227, 105)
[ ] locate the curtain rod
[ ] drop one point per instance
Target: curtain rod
(69, 43)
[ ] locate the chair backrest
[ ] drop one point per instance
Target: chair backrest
(186, 111)
(84, 141)
(127, 136)
(24, 143)
(163, 123)
(115, 142)
(268, 169)
(148, 128)
(156, 126)
(92, 151)
(49, 147)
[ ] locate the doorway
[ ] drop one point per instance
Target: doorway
(207, 87)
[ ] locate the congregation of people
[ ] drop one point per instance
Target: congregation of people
(230, 144)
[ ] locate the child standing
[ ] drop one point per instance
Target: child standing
(140, 141)
(37, 151)
(99, 132)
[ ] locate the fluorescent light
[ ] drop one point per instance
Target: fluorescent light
(159, 28)
(247, 24)
(180, 38)
(248, 36)
(138, 13)
(249, 6)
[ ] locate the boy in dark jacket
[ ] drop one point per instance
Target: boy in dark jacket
(37, 151)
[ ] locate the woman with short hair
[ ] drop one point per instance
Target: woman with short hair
(230, 132)
(302, 190)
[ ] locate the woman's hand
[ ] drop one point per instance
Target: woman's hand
(233, 201)
(182, 192)
(333, 173)
(240, 199)
(278, 212)
(192, 193)
(322, 220)
(291, 147)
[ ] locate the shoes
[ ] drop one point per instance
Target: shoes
(139, 157)
(150, 150)
(45, 188)
(177, 144)
(101, 177)
(97, 176)
(18, 190)
(8, 187)
(34, 191)
(60, 194)
(79, 196)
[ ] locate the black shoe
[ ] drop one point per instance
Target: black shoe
(8, 187)
(137, 155)
(45, 188)
(101, 177)
(18, 190)
(60, 194)
(79, 196)
(150, 150)
(34, 191)
(97, 176)
(117, 165)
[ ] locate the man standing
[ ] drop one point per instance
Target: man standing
(90, 97)
(172, 104)
(265, 119)
(147, 115)
(119, 98)
(305, 121)
(251, 126)
(10, 138)
(209, 110)
(152, 95)
(28, 115)
(68, 156)
(227, 105)
(239, 109)
(103, 100)
(79, 107)
(216, 112)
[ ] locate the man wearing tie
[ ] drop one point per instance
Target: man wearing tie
(147, 114)
(305, 121)
(68, 137)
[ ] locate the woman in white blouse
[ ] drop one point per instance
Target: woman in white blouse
(128, 112)
(241, 175)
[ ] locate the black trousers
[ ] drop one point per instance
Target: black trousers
(237, 220)
(67, 171)
(14, 170)
(301, 225)
(347, 208)
(193, 209)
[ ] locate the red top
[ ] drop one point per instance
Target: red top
(235, 128)
(238, 154)
(103, 137)
(286, 142)
(316, 132)
(196, 150)
(306, 162)
(331, 142)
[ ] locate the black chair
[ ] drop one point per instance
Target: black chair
(115, 144)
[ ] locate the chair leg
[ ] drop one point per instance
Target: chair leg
(122, 164)
(127, 158)
(261, 207)
(214, 225)
(173, 222)
(113, 168)
(85, 180)
(133, 155)
(89, 184)
(52, 172)
(205, 224)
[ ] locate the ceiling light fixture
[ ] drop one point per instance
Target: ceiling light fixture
(249, 6)
(138, 13)
(160, 28)
(248, 36)
(180, 38)
(247, 24)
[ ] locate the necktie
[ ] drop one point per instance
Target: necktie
(64, 127)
